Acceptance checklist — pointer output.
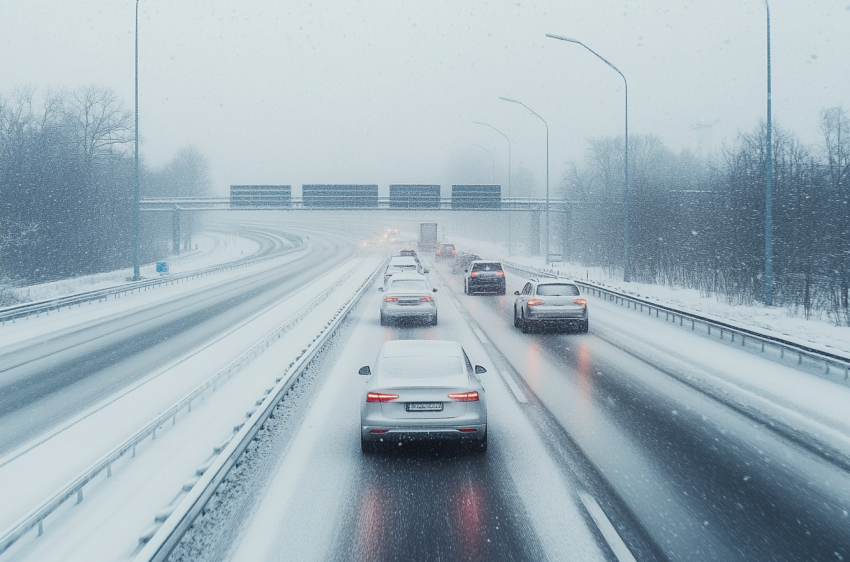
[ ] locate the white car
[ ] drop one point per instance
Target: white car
(408, 296)
(403, 264)
(423, 390)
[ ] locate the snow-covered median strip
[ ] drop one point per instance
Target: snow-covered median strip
(103, 465)
(162, 541)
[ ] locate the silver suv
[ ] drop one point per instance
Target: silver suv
(550, 302)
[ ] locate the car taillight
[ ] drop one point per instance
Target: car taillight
(467, 430)
(429, 298)
(500, 272)
(471, 396)
(390, 299)
(473, 273)
(580, 301)
(534, 302)
(381, 397)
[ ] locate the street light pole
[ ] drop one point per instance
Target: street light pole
(137, 219)
(509, 175)
(626, 263)
(768, 186)
(547, 168)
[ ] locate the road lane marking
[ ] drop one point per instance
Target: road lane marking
(520, 395)
(481, 337)
(618, 547)
(485, 341)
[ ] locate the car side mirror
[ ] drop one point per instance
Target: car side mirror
(466, 271)
(434, 289)
(426, 271)
(479, 370)
(366, 371)
(516, 292)
(382, 289)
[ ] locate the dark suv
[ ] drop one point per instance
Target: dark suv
(462, 261)
(484, 277)
(446, 252)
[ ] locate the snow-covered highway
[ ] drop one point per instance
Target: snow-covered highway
(629, 441)
(640, 440)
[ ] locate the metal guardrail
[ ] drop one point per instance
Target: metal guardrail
(75, 487)
(829, 359)
(12, 313)
(161, 543)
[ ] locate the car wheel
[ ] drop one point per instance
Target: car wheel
(502, 291)
(466, 287)
(434, 321)
(516, 318)
(367, 447)
(584, 327)
(524, 325)
(383, 320)
(478, 446)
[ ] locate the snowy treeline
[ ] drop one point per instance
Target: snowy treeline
(66, 185)
(700, 223)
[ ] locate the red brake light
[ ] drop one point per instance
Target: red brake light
(534, 302)
(390, 299)
(471, 396)
(473, 273)
(428, 298)
(467, 430)
(500, 272)
(580, 301)
(380, 397)
(378, 431)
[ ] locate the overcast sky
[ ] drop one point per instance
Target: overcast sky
(385, 91)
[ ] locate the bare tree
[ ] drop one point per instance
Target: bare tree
(99, 122)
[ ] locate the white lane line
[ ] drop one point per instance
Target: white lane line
(618, 547)
(481, 337)
(518, 393)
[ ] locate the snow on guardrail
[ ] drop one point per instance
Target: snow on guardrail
(161, 542)
(35, 517)
(12, 313)
(830, 359)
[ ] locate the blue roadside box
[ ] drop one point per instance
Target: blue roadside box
(162, 267)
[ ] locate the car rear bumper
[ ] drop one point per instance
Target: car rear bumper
(557, 319)
(496, 285)
(409, 311)
(424, 433)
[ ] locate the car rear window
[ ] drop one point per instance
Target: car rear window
(557, 290)
(409, 285)
(421, 367)
(495, 266)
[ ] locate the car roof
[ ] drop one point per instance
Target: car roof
(408, 275)
(402, 260)
(417, 348)
(552, 281)
(487, 261)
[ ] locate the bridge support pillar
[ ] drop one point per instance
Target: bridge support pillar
(534, 233)
(175, 231)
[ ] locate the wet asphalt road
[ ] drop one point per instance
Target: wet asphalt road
(680, 475)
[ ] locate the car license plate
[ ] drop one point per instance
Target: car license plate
(424, 406)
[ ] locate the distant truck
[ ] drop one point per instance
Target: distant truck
(428, 240)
